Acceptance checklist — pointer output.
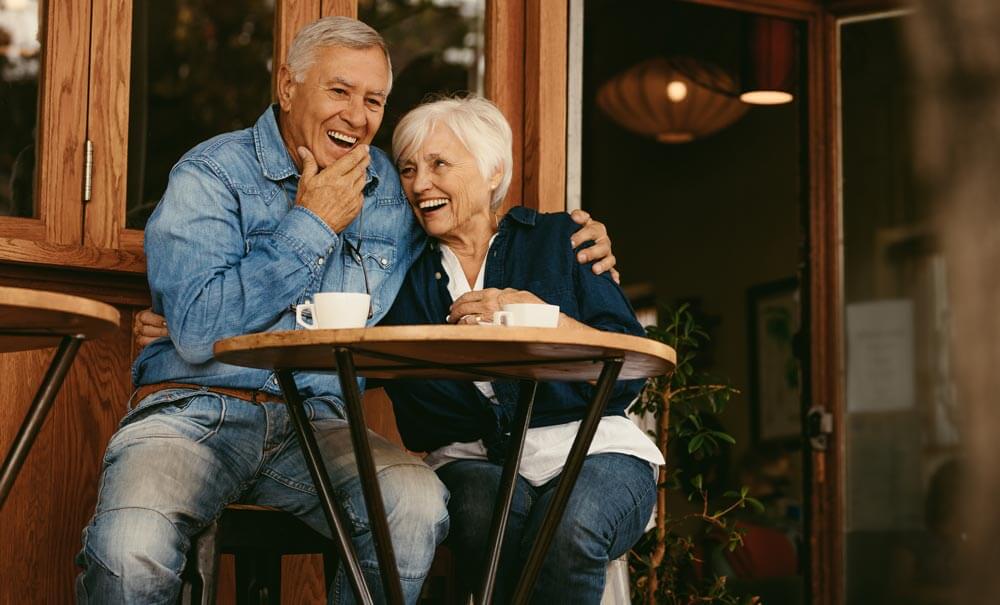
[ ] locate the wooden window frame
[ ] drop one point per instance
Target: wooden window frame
(54, 234)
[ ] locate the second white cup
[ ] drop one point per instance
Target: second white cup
(534, 315)
(335, 310)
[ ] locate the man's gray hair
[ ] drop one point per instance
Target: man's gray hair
(476, 122)
(333, 31)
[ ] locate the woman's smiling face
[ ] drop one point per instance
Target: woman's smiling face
(444, 186)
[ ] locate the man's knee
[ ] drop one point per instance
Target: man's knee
(134, 543)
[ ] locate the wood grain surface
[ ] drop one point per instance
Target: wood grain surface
(110, 80)
(404, 351)
(34, 311)
(55, 492)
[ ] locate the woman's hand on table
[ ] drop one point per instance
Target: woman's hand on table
(591, 230)
(148, 326)
(480, 305)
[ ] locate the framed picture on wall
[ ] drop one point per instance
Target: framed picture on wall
(773, 312)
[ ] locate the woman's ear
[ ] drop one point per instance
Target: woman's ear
(496, 178)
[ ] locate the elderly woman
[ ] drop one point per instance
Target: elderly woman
(454, 158)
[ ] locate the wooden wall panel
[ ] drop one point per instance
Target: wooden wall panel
(546, 38)
(54, 496)
(504, 79)
(346, 8)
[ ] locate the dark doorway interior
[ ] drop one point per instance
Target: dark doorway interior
(717, 222)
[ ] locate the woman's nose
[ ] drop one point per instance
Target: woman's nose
(421, 181)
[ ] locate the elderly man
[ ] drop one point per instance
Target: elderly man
(253, 222)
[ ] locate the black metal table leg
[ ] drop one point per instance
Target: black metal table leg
(366, 471)
(574, 462)
(505, 496)
(335, 515)
(37, 413)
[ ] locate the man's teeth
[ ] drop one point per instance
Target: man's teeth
(341, 137)
(424, 205)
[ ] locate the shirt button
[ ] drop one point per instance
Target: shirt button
(320, 261)
(384, 262)
(437, 275)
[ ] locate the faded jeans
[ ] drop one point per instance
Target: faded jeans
(181, 456)
(606, 514)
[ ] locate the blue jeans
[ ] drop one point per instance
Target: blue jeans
(181, 456)
(606, 514)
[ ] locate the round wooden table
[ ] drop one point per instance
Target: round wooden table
(451, 352)
(37, 319)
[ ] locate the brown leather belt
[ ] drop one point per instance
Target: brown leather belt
(243, 394)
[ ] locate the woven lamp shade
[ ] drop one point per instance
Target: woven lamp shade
(673, 101)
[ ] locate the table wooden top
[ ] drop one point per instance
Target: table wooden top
(436, 351)
(35, 319)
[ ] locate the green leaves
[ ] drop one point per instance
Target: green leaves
(669, 557)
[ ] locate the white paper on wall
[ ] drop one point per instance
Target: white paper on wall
(880, 356)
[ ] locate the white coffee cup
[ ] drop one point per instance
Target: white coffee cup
(335, 310)
(533, 315)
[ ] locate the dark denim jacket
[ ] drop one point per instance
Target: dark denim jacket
(531, 252)
(228, 253)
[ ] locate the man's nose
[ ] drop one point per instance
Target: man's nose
(354, 113)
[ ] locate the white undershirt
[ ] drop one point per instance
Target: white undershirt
(545, 448)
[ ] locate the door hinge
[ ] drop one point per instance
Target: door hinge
(819, 427)
(88, 170)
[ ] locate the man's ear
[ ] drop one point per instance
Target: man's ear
(286, 87)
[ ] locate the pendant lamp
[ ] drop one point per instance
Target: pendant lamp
(672, 100)
(768, 61)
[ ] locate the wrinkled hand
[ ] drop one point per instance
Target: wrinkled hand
(600, 251)
(334, 193)
(148, 326)
(480, 305)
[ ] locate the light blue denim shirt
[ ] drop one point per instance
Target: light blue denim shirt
(229, 253)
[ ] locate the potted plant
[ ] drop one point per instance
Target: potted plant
(666, 565)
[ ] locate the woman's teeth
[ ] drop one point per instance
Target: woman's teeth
(430, 204)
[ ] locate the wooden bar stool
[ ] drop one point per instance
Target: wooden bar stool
(257, 536)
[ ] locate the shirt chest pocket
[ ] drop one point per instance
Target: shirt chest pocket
(377, 253)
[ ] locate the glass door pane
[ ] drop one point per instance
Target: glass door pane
(20, 67)
(199, 68)
(435, 47)
(901, 436)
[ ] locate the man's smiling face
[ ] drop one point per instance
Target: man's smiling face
(338, 105)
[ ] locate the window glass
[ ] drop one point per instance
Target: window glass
(436, 47)
(903, 525)
(20, 63)
(199, 68)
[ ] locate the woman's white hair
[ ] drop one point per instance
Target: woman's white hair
(476, 122)
(333, 31)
